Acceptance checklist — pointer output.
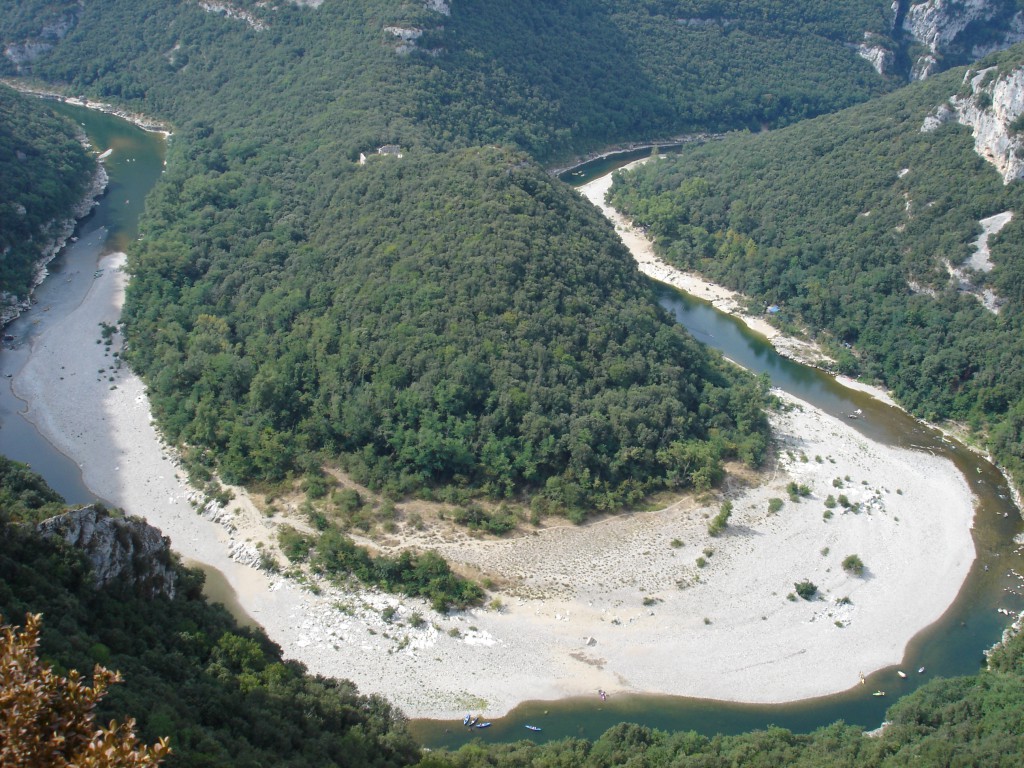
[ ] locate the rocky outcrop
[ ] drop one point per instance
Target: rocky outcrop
(407, 37)
(957, 31)
(233, 12)
(1014, 34)
(126, 550)
(877, 52)
(23, 52)
(938, 23)
(991, 105)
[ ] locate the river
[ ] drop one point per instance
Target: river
(952, 646)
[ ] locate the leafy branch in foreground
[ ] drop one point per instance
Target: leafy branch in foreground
(49, 720)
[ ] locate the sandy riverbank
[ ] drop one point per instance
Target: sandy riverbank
(722, 298)
(574, 617)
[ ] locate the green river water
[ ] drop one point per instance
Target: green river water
(952, 646)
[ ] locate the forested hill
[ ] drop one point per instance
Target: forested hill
(852, 223)
(455, 318)
(451, 316)
(44, 173)
(550, 78)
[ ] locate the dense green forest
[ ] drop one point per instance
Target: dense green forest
(846, 221)
(225, 697)
(420, 335)
(534, 75)
(44, 173)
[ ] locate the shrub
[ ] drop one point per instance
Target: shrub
(721, 520)
(348, 500)
(796, 491)
(774, 505)
(853, 564)
(294, 545)
(805, 589)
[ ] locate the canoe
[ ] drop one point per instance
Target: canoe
(533, 728)
(483, 725)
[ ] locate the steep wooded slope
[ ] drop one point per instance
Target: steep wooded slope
(865, 227)
(459, 318)
(223, 694)
(288, 302)
(44, 173)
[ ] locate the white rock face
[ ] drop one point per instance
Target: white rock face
(924, 66)
(881, 58)
(125, 549)
(25, 53)
(1014, 35)
(440, 6)
(233, 12)
(942, 115)
(408, 37)
(996, 101)
(938, 25)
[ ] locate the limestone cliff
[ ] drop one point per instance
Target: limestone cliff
(878, 51)
(118, 549)
(991, 104)
(50, 32)
(957, 31)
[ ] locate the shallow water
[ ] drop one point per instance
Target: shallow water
(134, 166)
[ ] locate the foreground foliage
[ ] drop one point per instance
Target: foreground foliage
(49, 719)
(221, 693)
